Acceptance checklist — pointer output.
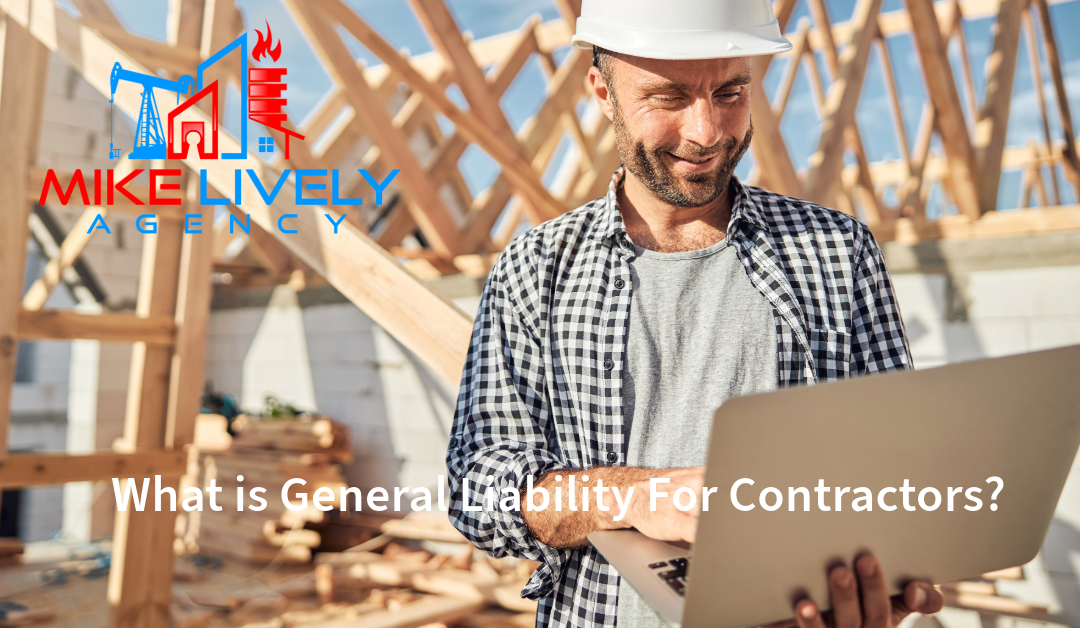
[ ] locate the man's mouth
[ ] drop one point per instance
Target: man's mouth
(695, 164)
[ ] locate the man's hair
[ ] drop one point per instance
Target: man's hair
(601, 59)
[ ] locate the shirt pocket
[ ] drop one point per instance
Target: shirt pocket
(831, 351)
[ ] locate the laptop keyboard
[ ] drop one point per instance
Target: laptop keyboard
(673, 572)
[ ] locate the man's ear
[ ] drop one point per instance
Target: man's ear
(601, 92)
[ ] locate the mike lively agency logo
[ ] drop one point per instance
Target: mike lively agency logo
(262, 101)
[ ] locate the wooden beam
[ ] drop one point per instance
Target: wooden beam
(951, 124)
(1040, 96)
(994, 224)
(514, 166)
(25, 470)
(1053, 59)
(823, 180)
(446, 36)
(142, 541)
(565, 85)
(105, 327)
(70, 250)
(425, 204)
(993, 117)
(22, 62)
(153, 54)
(770, 150)
(192, 320)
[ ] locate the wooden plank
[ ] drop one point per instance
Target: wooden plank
(514, 166)
(1053, 59)
(993, 117)
(565, 85)
(951, 124)
(70, 250)
(22, 62)
(142, 541)
(431, 609)
(770, 150)
(994, 224)
(1040, 96)
(192, 319)
(105, 327)
(425, 204)
(823, 180)
(23, 470)
(153, 54)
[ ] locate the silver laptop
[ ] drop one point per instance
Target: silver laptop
(1015, 418)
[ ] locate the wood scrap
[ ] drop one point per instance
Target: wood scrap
(424, 527)
(268, 453)
(424, 611)
(11, 619)
(10, 546)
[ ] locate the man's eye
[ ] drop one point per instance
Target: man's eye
(730, 95)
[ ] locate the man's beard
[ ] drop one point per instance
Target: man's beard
(690, 190)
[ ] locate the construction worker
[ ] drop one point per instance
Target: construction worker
(606, 338)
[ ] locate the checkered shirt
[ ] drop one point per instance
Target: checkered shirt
(541, 388)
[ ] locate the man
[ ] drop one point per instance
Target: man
(606, 338)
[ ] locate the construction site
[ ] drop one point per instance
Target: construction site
(173, 314)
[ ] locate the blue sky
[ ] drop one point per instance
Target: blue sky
(800, 125)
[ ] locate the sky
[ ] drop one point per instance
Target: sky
(395, 20)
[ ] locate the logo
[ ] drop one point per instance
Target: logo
(181, 131)
(262, 101)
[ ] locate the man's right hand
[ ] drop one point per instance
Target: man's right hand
(667, 523)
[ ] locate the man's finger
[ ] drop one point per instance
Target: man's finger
(807, 615)
(876, 605)
(920, 597)
(845, 598)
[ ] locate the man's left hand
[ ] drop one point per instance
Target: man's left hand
(872, 609)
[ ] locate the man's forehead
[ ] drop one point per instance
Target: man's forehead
(658, 72)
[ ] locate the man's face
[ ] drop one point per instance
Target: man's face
(681, 126)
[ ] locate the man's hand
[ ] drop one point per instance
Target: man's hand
(563, 527)
(864, 602)
(667, 523)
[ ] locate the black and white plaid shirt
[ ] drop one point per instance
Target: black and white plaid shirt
(541, 389)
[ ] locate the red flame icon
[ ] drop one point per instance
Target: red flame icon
(263, 45)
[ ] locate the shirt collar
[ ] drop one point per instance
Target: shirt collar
(610, 223)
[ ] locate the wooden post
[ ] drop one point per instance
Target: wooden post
(142, 541)
(23, 63)
(933, 55)
(827, 162)
(993, 118)
(1053, 59)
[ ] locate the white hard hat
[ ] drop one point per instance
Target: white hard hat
(680, 29)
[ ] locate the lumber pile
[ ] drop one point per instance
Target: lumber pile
(388, 582)
(267, 453)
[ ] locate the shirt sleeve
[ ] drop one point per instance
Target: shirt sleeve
(879, 342)
(502, 435)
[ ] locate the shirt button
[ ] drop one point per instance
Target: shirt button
(609, 364)
(612, 457)
(453, 443)
(619, 284)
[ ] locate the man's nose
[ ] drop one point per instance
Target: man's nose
(701, 123)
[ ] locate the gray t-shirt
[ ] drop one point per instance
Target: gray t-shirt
(700, 333)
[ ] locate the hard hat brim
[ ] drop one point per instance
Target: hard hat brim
(682, 45)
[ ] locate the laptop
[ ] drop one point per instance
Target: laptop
(1015, 418)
